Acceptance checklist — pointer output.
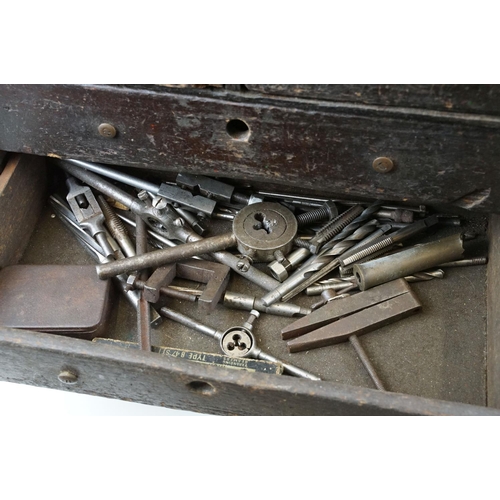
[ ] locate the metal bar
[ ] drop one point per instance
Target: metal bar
(130, 180)
(143, 311)
(166, 256)
(353, 339)
(362, 322)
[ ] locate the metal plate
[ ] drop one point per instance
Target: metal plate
(58, 299)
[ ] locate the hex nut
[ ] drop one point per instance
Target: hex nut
(107, 130)
(278, 271)
(382, 165)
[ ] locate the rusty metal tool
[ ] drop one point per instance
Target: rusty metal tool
(208, 187)
(167, 255)
(251, 350)
(357, 314)
(205, 358)
(68, 219)
(409, 261)
(343, 320)
(328, 259)
(337, 309)
(216, 276)
(143, 311)
(294, 284)
(166, 222)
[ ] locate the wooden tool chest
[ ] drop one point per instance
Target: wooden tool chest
(317, 140)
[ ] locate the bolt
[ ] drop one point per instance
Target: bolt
(131, 282)
(107, 130)
(254, 314)
(243, 265)
(159, 204)
(68, 377)
(326, 212)
(382, 165)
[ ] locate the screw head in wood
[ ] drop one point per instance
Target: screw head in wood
(67, 377)
(383, 164)
(107, 130)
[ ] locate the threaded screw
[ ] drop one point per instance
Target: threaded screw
(332, 228)
(326, 212)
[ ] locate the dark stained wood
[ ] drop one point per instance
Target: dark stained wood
(3, 160)
(462, 98)
(132, 375)
(22, 193)
(319, 146)
(493, 311)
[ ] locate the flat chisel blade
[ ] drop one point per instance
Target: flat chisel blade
(357, 324)
(338, 308)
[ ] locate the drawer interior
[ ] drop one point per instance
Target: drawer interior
(438, 353)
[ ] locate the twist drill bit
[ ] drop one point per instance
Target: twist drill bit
(327, 259)
(334, 263)
(365, 215)
(116, 227)
(334, 227)
(396, 237)
(310, 266)
(425, 276)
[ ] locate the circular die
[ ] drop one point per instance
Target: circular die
(237, 342)
(263, 228)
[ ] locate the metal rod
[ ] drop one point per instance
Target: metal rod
(143, 316)
(166, 256)
(353, 339)
(116, 175)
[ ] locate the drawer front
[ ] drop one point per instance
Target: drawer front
(38, 359)
(323, 147)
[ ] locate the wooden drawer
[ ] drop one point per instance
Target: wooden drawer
(440, 361)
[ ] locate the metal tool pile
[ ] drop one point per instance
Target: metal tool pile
(358, 257)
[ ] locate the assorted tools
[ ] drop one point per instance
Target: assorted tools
(360, 257)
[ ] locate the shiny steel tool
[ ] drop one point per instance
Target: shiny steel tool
(116, 228)
(252, 352)
(172, 193)
(165, 222)
(87, 212)
(293, 284)
(247, 303)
